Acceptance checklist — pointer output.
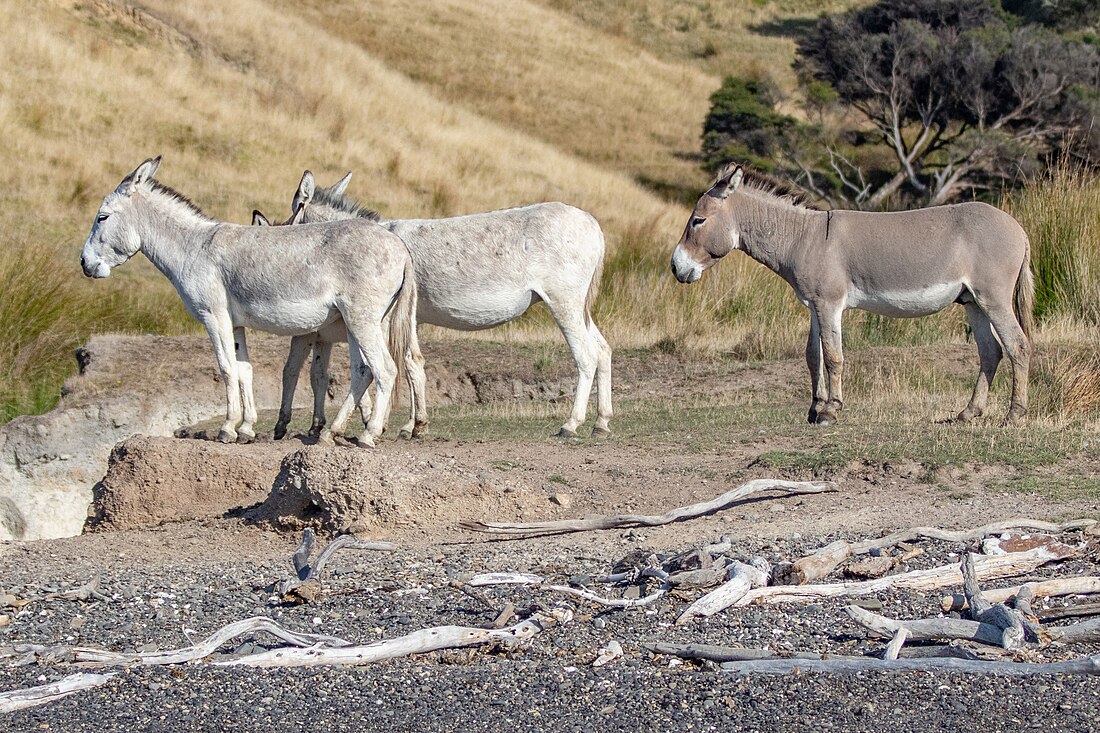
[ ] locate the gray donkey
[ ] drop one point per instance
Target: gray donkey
(289, 281)
(900, 264)
(475, 272)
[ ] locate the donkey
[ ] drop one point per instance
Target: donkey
(900, 264)
(289, 281)
(478, 271)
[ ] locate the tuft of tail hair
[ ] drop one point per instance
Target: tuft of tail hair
(1024, 302)
(403, 341)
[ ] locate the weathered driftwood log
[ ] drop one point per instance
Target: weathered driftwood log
(896, 643)
(987, 568)
(1041, 589)
(1032, 628)
(311, 573)
(967, 535)
(206, 647)
(757, 486)
(1009, 621)
(926, 629)
(713, 653)
(30, 697)
(1085, 632)
(418, 642)
(486, 579)
(1074, 611)
(815, 566)
(1082, 665)
(742, 578)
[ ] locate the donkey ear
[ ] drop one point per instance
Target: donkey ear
(728, 181)
(298, 214)
(304, 194)
(259, 220)
(139, 175)
(341, 186)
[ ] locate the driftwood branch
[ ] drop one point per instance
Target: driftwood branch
(742, 578)
(1041, 589)
(206, 647)
(743, 492)
(713, 653)
(418, 642)
(968, 535)
(929, 629)
(539, 584)
(987, 568)
(981, 610)
(33, 696)
(1082, 665)
(306, 586)
(817, 565)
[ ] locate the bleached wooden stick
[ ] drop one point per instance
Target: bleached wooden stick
(33, 696)
(1081, 665)
(896, 643)
(418, 642)
(987, 567)
(1041, 589)
(691, 511)
(486, 579)
(968, 535)
(926, 629)
(742, 579)
(204, 648)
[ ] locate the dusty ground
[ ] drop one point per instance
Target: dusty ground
(192, 535)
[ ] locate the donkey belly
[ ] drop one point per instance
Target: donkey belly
(472, 310)
(905, 302)
(287, 318)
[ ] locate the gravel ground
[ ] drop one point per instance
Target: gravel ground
(550, 682)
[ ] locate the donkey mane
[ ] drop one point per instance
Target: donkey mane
(769, 185)
(345, 204)
(178, 197)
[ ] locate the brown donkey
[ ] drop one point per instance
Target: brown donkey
(900, 264)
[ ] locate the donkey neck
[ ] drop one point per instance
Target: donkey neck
(772, 229)
(173, 233)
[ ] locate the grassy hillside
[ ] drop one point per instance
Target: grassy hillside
(438, 107)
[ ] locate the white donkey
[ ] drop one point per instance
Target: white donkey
(288, 281)
(479, 271)
(900, 264)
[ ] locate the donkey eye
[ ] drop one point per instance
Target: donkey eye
(698, 221)
(101, 217)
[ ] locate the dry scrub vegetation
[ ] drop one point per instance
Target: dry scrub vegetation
(440, 108)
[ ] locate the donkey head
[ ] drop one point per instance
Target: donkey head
(114, 237)
(712, 231)
(313, 204)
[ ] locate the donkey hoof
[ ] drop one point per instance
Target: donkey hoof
(280, 432)
(227, 436)
(420, 430)
(365, 441)
(966, 416)
(598, 432)
(566, 433)
(325, 437)
(244, 437)
(824, 418)
(1015, 416)
(812, 418)
(405, 435)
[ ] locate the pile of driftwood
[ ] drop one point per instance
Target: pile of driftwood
(1006, 633)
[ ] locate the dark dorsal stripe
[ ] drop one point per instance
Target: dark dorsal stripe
(772, 186)
(177, 196)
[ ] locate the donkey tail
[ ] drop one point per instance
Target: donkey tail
(1024, 303)
(403, 341)
(594, 285)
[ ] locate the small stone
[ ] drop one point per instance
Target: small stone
(580, 581)
(868, 604)
(777, 508)
(562, 499)
(7, 601)
(4, 620)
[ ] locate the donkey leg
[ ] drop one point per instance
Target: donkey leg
(318, 382)
(1018, 347)
(818, 390)
(832, 353)
(359, 382)
(246, 433)
(417, 425)
(379, 363)
(299, 348)
(585, 354)
(603, 381)
(220, 329)
(989, 357)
